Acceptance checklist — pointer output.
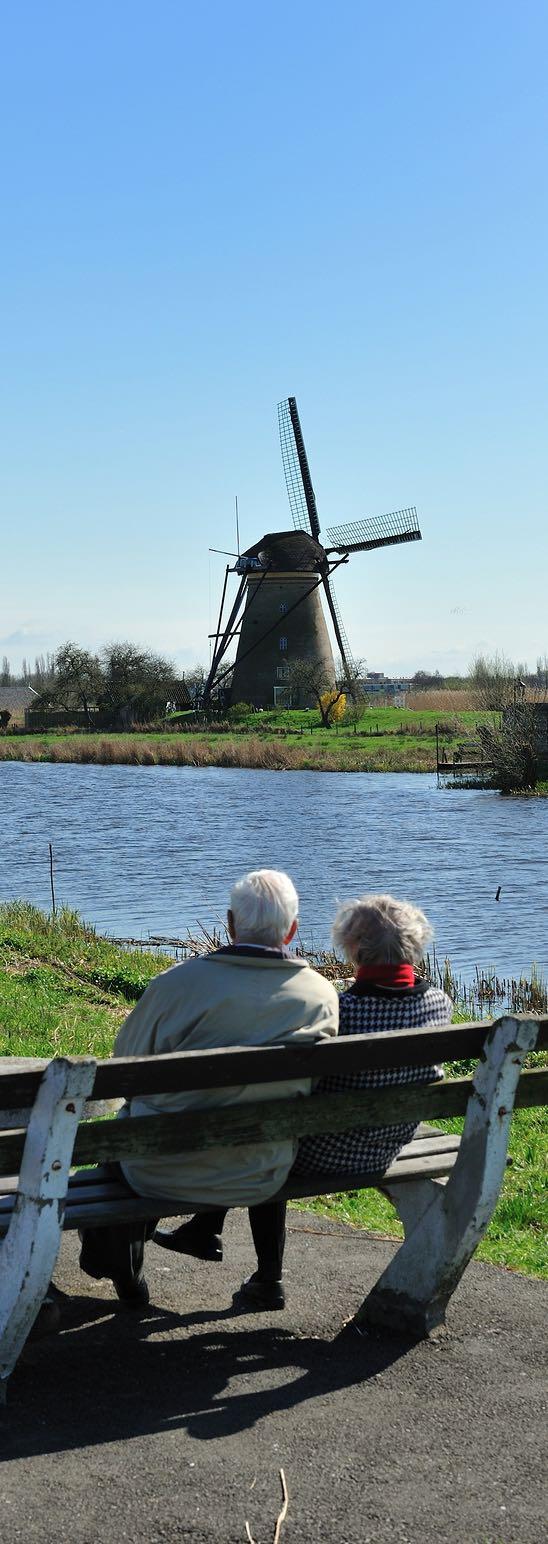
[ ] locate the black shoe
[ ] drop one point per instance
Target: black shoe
(132, 1291)
(186, 1240)
(259, 1295)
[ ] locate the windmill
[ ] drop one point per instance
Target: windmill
(277, 614)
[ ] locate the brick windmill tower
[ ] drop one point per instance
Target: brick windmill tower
(277, 615)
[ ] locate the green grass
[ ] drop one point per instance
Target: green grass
(517, 1236)
(385, 739)
(65, 989)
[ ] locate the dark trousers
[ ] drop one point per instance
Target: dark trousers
(267, 1223)
(117, 1251)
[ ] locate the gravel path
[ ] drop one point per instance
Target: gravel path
(174, 1426)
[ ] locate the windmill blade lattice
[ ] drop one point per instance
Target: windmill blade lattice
(381, 531)
(348, 662)
(298, 481)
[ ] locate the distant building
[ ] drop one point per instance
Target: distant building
(377, 684)
(15, 700)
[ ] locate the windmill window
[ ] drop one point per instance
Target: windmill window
(282, 672)
(283, 645)
(283, 608)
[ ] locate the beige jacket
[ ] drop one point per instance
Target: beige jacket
(225, 999)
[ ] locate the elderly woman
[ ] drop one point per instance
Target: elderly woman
(385, 940)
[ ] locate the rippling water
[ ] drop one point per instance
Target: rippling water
(155, 849)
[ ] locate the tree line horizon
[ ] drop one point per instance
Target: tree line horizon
(126, 670)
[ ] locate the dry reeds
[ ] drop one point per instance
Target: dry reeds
(443, 701)
(467, 700)
(487, 994)
(249, 752)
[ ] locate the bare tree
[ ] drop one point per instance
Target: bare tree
(5, 672)
(493, 679)
(513, 749)
(44, 671)
(541, 679)
(427, 680)
(75, 681)
(135, 679)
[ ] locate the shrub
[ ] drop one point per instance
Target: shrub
(333, 706)
(513, 750)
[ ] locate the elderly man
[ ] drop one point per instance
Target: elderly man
(250, 992)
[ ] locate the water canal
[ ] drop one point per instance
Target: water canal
(154, 850)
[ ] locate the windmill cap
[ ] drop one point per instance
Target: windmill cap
(288, 551)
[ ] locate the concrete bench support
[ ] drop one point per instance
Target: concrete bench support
(444, 1221)
(30, 1248)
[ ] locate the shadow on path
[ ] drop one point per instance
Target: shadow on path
(111, 1377)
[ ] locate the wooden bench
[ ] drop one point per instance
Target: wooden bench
(444, 1188)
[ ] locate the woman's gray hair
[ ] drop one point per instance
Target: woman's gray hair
(264, 905)
(377, 929)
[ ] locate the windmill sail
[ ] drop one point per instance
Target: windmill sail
(348, 663)
(382, 531)
(298, 481)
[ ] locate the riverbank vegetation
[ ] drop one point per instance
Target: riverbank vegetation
(65, 989)
(378, 739)
(127, 706)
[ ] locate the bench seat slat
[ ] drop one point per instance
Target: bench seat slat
(93, 1205)
(87, 1184)
(446, 1142)
(93, 1187)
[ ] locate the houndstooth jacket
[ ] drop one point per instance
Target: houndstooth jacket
(367, 1009)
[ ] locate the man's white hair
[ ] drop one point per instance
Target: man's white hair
(377, 929)
(264, 905)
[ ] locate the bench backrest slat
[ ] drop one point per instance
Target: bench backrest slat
(270, 1120)
(129, 1076)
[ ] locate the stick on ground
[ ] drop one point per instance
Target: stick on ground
(280, 1518)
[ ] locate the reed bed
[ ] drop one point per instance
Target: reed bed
(448, 700)
(485, 995)
(249, 751)
(444, 701)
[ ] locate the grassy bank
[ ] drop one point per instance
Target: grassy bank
(63, 988)
(383, 740)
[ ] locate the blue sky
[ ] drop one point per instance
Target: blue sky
(205, 209)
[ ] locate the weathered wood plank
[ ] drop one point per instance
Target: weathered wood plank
(104, 1190)
(92, 1205)
(429, 1146)
(125, 1077)
(128, 1076)
(271, 1120)
(265, 1121)
(88, 1182)
(213, 1069)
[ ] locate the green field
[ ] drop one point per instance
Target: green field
(383, 740)
(64, 989)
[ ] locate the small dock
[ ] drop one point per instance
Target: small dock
(466, 759)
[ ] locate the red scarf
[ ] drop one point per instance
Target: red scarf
(387, 975)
